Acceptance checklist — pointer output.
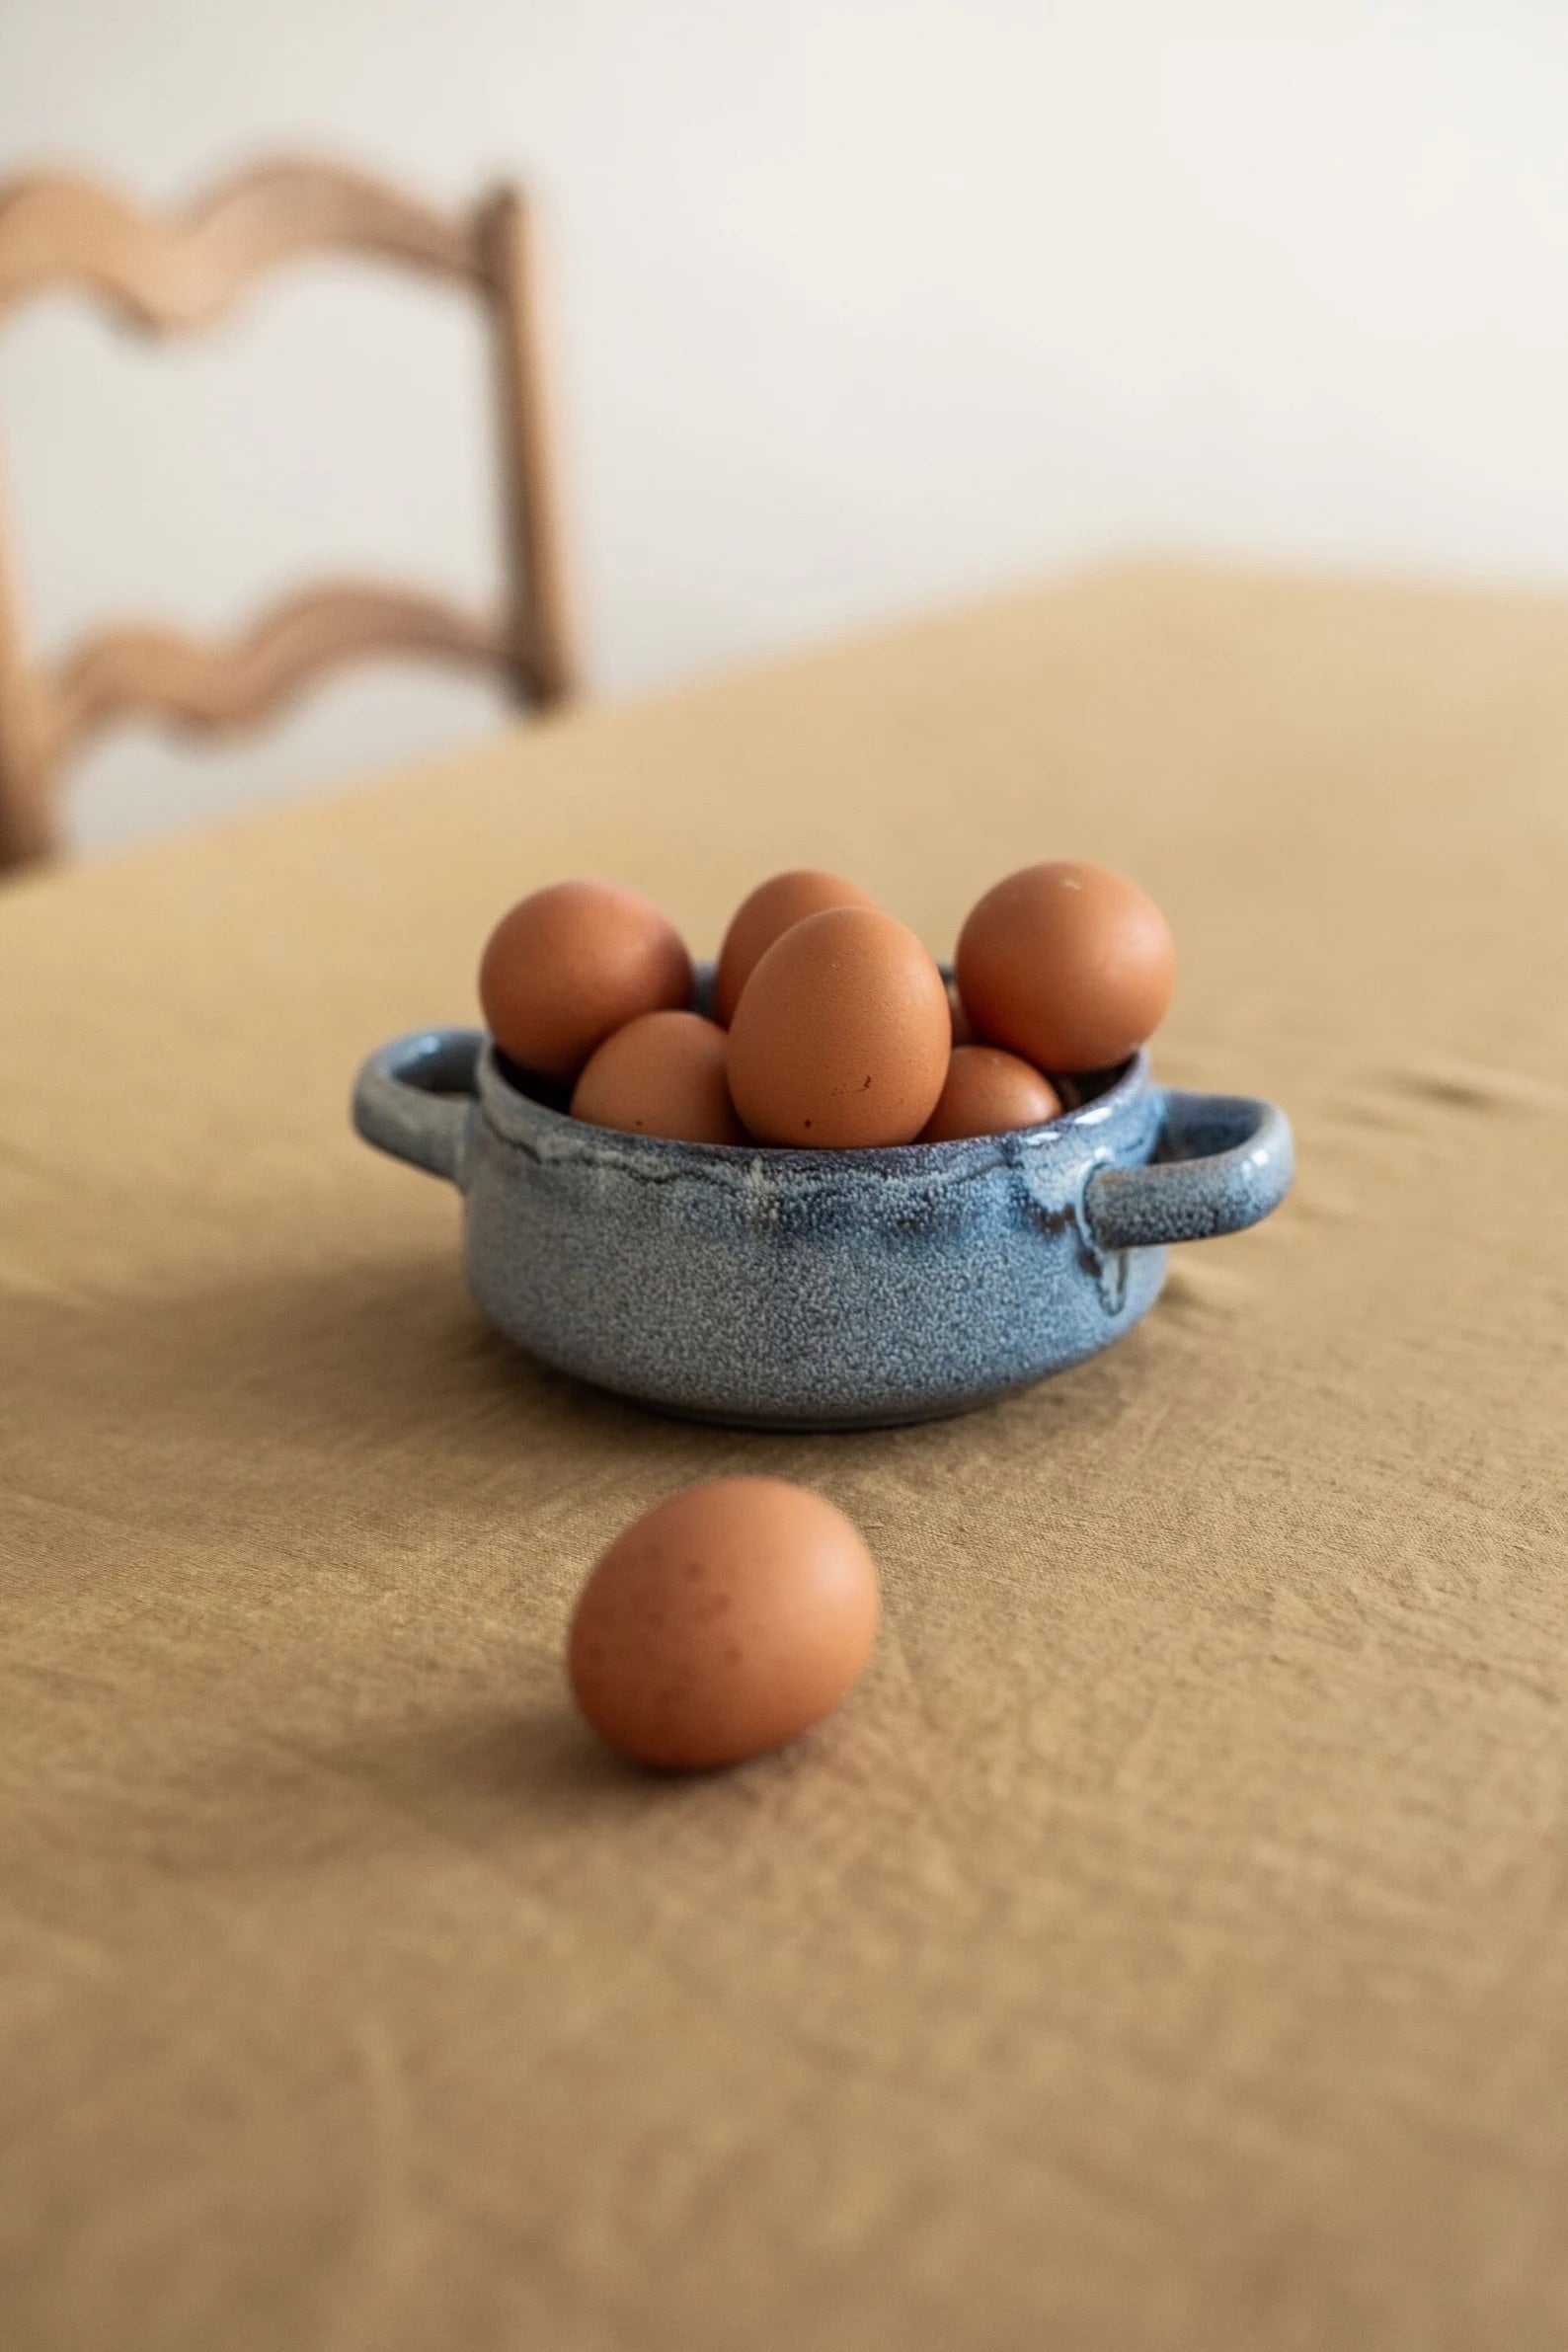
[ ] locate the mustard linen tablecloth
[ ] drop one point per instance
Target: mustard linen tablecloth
(1167, 1947)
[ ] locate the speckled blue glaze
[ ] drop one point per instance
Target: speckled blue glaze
(819, 1288)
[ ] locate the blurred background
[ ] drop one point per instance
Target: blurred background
(859, 308)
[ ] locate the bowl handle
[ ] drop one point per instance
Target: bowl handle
(1224, 1163)
(412, 1098)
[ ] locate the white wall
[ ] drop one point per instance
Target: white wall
(863, 304)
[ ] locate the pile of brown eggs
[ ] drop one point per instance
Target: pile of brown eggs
(831, 1025)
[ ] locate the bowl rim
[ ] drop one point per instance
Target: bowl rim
(521, 1119)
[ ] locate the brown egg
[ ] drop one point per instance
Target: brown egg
(663, 1075)
(1070, 965)
(765, 916)
(572, 963)
(842, 1034)
(988, 1093)
(962, 1026)
(722, 1623)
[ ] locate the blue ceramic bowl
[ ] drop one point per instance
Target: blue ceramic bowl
(817, 1290)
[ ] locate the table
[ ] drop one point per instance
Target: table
(1166, 1946)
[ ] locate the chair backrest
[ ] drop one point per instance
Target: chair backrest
(168, 276)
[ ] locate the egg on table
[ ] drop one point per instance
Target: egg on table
(722, 1623)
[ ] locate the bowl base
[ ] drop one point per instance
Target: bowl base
(807, 1423)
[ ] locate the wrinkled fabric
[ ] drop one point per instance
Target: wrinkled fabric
(1168, 1943)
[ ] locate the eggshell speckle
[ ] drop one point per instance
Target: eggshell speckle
(723, 1624)
(663, 1075)
(1067, 964)
(989, 1093)
(572, 963)
(842, 1034)
(764, 916)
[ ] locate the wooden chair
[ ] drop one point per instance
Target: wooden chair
(170, 277)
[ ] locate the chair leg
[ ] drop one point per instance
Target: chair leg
(542, 632)
(29, 832)
(26, 815)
